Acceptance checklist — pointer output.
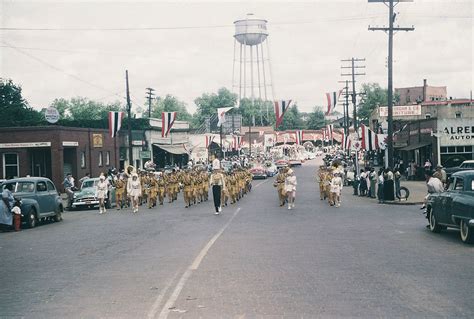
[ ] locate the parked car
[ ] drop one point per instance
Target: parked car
(258, 171)
(466, 165)
(455, 207)
(282, 162)
(86, 197)
(39, 197)
(270, 169)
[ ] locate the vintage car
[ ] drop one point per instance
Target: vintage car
(270, 169)
(282, 162)
(39, 199)
(86, 197)
(258, 171)
(465, 166)
(455, 207)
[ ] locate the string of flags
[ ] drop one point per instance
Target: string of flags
(115, 122)
(280, 109)
(167, 121)
(332, 98)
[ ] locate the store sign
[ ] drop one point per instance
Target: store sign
(51, 115)
(138, 143)
(65, 143)
(145, 154)
(403, 110)
(456, 132)
(20, 145)
(97, 140)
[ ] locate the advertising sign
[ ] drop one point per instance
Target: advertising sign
(456, 132)
(26, 145)
(402, 110)
(97, 140)
(51, 115)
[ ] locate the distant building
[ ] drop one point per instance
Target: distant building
(418, 94)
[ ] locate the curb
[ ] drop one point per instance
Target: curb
(403, 203)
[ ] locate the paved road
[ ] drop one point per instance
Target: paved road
(256, 260)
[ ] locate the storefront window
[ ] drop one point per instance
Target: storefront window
(83, 159)
(451, 149)
(10, 165)
(101, 159)
(107, 158)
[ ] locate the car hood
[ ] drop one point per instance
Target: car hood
(86, 192)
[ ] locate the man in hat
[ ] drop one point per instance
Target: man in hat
(440, 174)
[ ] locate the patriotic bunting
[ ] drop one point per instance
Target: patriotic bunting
(209, 140)
(332, 101)
(330, 131)
(346, 142)
(280, 109)
(115, 122)
(167, 121)
(237, 142)
(299, 137)
(369, 139)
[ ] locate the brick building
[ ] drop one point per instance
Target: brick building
(54, 151)
(418, 94)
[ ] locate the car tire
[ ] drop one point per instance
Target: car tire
(59, 215)
(466, 232)
(434, 226)
(32, 221)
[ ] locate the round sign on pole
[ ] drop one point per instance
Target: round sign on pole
(51, 115)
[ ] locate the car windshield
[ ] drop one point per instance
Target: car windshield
(89, 183)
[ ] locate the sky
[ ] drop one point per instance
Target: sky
(69, 48)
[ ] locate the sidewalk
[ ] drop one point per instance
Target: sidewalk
(417, 190)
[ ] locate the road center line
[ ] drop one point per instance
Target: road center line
(194, 265)
(159, 299)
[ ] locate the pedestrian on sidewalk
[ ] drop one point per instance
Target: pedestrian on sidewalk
(363, 183)
(373, 183)
(217, 184)
(388, 185)
(68, 185)
(290, 188)
(336, 187)
(16, 211)
(397, 175)
(134, 191)
(380, 191)
(440, 174)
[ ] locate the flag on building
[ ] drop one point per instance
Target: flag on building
(209, 140)
(280, 109)
(299, 137)
(221, 114)
(382, 140)
(167, 121)
(115, 122)
(346, 142)
(237, 142)
(330, 131)
(369, 139)
(332, 101)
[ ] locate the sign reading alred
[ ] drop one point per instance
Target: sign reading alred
(402, 110)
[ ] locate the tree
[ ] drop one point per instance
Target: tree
(374, 96)
(15, 109)
(256, 113)
(316, 119)
(291, 120)
(207, 104)
(169, 103)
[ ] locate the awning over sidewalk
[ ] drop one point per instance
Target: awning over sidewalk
(178, 149)
(414, 146)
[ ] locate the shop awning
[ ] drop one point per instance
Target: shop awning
(414, 146)
(177, 149)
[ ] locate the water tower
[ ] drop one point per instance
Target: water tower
(253, 77)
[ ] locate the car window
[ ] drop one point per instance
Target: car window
(89, 183)
(41, 187)
(459, 184)
(51, 187)
(25, 187)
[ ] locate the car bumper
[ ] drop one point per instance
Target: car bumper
(471, 222)
(85, 203)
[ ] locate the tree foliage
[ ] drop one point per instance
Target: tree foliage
(256, 112)
(316, 119)
(82, 109)
(15, 109)
(207, 104)
(169, 103)
(292, 120)
(374, 96)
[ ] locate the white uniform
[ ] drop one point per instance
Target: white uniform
(102, 188)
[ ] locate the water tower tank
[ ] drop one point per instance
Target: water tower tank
(251, 30)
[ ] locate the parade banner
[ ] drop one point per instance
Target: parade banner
(369, 139)
(332, 101)
(280, 109)
(221, 114)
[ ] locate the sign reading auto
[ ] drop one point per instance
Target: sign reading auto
(456, 131)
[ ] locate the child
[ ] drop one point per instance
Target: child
(16, 210)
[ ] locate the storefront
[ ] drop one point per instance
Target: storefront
(456, 138)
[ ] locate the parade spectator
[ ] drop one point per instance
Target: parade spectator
(433, 184)
(388, 185)
(380, 182)
(6, 217)
(373, 183)
(440, 174)
(427, 165)
(82, 179)
(397, 177)
(363, 183)
(16, 211)
(68, 185)
(412, 171)
(290, 188)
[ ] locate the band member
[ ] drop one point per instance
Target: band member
(161, 188)
(290, 188)
(134, 191)
(217, 183)
(336, 188)
(120, 192)
(280, 186)
(153, 190)
(102, 188)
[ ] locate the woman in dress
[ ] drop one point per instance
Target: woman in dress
(290, 188)
(134, 191)
(336, 187)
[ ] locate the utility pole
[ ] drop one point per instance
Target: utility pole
(353, 94)
(391, 18)
(149, 97)
(129, 112)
